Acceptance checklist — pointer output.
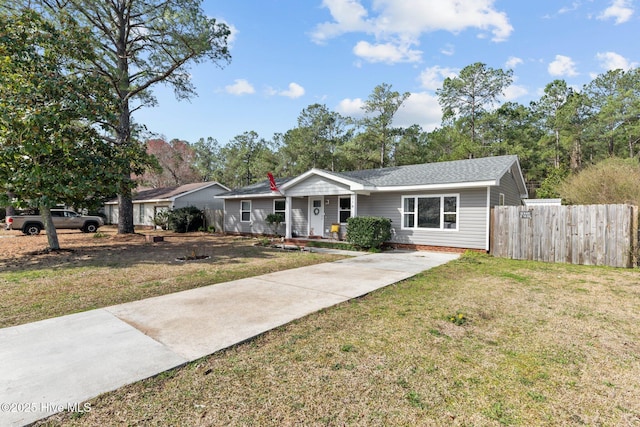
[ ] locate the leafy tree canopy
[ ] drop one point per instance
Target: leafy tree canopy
(50, 148)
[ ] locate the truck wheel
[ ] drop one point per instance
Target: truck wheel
(90, 227)
(31, 229)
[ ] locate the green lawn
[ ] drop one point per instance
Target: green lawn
(530, 344)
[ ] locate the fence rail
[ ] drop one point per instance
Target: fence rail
(580, 234)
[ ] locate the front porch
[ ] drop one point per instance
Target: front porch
(319, 216)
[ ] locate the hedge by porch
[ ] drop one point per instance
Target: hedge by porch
(368, 232)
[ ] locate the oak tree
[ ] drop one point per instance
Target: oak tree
(50, 150)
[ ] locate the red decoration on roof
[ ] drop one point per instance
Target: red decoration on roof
(272, 182)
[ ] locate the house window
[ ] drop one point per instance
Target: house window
(141, 213)
(344, 209)
(279, 207)
(245, 211)
(501, 199)
(434, 212)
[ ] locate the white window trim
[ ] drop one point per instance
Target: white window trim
(344, 210)
(501, 199)
(242, 211)
(442, 212)
(283, 211)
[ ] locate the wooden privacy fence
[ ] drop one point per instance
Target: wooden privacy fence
(580, 234)
(214, 217)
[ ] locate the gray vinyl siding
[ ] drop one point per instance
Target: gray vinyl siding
(472, 218)
(202, 199)
(260, 208)
(509, 188)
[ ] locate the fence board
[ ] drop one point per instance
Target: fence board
(579, 234)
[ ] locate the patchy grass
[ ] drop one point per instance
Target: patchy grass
(98, 272)
(541, 344)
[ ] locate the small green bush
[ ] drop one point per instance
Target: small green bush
(368, 232)
(184, 220)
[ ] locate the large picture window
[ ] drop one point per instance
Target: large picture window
(434, 212)
(245, 211)
(279, 207)
(344, 209)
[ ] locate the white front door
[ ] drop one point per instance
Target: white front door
(316, 216)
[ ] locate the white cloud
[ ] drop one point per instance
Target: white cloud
(240, 87)
(614, 61)
(431, 78)
(448, 50)
(574, 6)
(513, 62)
(562, 66)
(294, 91)
(620, 10)
(514, 92)
(402, 22)
(420, 108)
(349, 16)
(351, 107)
(233, 32)
(386, 52)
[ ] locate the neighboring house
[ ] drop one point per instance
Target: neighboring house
(445, 204)
(147, 202)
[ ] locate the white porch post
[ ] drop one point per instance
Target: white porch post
(354, 205)
(287, 218)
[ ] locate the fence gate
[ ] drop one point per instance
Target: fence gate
(579, 234)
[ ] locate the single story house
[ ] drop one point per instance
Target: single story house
(443, 204)
(148, 202)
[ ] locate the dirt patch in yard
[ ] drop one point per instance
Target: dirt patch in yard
(102, 269)
(20, 251)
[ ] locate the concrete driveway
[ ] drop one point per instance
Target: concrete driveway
(56, 364)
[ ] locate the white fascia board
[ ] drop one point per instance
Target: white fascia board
(154, 200)
(250, 196)
(438, 186)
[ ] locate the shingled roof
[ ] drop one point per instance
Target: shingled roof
(458, 172)
(168, 193)
(259, 188)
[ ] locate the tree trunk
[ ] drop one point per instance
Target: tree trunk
(125, 205)
(11, 211)
(125, 213)
(52, 234)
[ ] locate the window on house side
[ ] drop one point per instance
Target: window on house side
(279, 207)
(501, 200)
(434, 212)
(245, 211)
(344, 209)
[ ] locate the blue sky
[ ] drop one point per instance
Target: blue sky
(289, 54)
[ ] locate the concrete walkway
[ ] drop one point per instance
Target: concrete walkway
(56, 364)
